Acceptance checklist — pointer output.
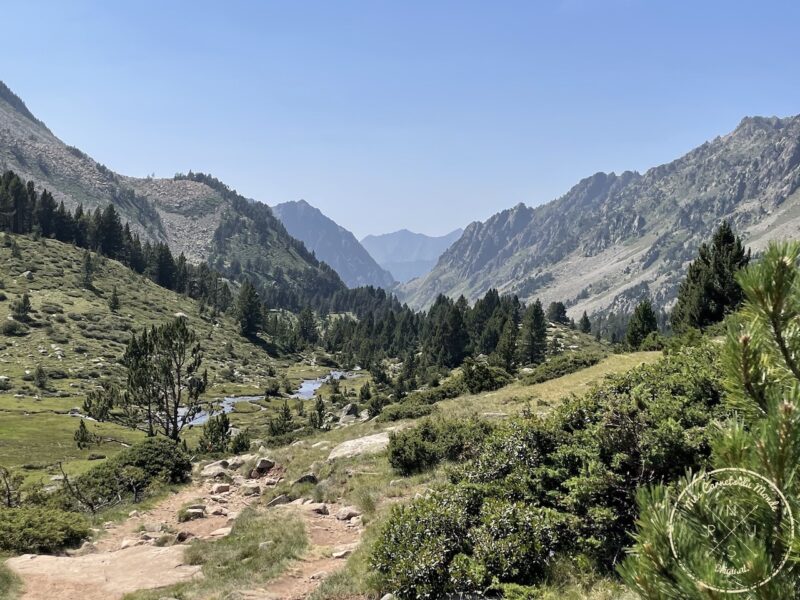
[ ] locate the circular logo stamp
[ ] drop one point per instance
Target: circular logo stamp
(730, 530)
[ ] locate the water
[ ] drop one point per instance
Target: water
(308, 388)
(226, 406)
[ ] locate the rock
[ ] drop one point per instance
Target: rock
(356, 521)
(388, 597)
(307, 478)
(183, 536)
(298, 502)
(349, 410)
(213, 471)
(221, 532)
(317, 576)
(395, 482)
(133, 514)
(371, 444)
(129, 543)
(197, 507)
(232, 516)
(219, 488)
(86, 548)
(153, 527)
(320, 508)
(194, 513)
(235, 462)
(28, 275)
(342, 554)
(271, 481)
(250, 489)
(282, 499)
(219, 511)
(320, 444)
(347, 512)
(264, 464)
(265, 545)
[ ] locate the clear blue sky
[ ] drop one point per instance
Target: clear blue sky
(425, 115)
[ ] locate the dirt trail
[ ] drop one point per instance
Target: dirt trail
(125, 559)
(328, 537)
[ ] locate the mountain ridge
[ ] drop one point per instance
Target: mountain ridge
(195, 214)
(333, 244)
(613, 239)
(407, 254)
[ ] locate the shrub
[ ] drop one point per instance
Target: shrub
(480, 377)
(654, 341)
(434, 440)
(40, 530)
(128, 475)
(14, 328)
(406, 410)
(561, 365)
(240, 442)
(542, 489)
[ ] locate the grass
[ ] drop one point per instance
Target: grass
(241, 560)
(9, 583)
(77, 340)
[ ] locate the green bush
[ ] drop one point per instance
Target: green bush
(40, 530)
(434, 440)
(561, 365)
(406, 410)
(558, 487)
(480, 377)
(128, 475)
(14, 328)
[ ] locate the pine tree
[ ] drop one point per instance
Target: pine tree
(87, 271)
(762, 375)
(307, 326)
(710, 289)
(585, 324)
(216, 435)
(557, 313)
(21, 308)
(316, 419)
(83, 437)
(284, 421)
(507, 346)
(247, 310)
(534, 335)
(113, 302)
(642, 323)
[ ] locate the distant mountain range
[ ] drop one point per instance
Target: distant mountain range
(614, 239)
(406, 254)
(332, 243)
(194, 214)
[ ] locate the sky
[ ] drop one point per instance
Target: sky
(423, 115)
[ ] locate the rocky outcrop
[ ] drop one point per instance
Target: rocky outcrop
(371, 444)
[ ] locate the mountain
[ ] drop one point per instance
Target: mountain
(406, 254)
(332, 243)
(194, 214)
(613, 239)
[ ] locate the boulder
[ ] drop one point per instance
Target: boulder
(153, 527)
(371, 444)
(130, 543)
(213, 471)
(264, 464)
(194, 513)
(236, 462)
(219, 511)
(347, 512)
(320, 508)
(282, 499)
(307, 478)
(219, 488)
(342, 554)
(221, 532)
(250, 489)
(183, 536)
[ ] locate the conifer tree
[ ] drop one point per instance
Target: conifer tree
(21, 308)
(83, 437)
(557, 313)
(247, 310)
(642, 323)
(507, 346)
(585, 324)
(763, 379)
(87, 270)
(307, 326)
(710, 289)
(216, 435)
(113, 302)
(534, 335)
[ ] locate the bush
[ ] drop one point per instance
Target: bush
(406, 410)
(561, 365)
(240, 442)
(40, 530)
(128, 475)
(480, 377)
(14, 328)
(432, 441)
(653, 342)
(543, 489)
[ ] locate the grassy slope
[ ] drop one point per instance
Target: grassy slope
(75, 335)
